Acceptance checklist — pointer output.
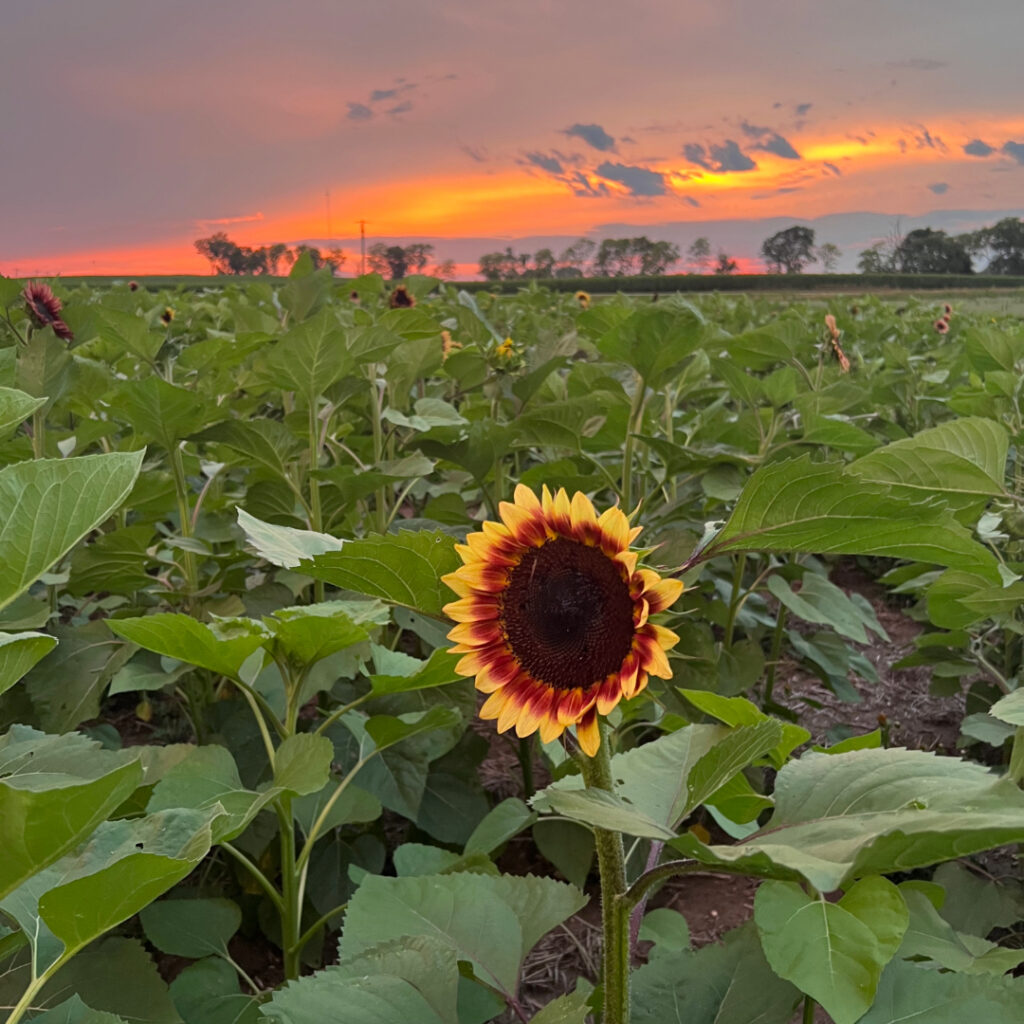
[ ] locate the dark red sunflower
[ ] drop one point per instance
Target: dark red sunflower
(44, 309)
(941, 325)
(401, 298)
(553, 615)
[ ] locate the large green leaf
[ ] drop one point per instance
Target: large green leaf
(728, 983)
(308, 633)
(963, 460)
(821, 601)
(163, 412)
(823, 508)
(19, 652)
(123, 866)
(660, 783)
(835, 952)
(402, 568)
(181, 636)
(325, 998)
(54, 791)
(311, 356)
(654, 340)
(839, 817)
(491, 921)
(191, 928)
(207, 992)
(48, 505)
(909, 993)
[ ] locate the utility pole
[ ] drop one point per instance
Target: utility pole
(362, 247)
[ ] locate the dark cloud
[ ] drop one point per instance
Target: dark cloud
(940, 188)
(583, 187)
(832, 167)
(777, 192)
(976, 147)
(917, 64)
(639, 180)
(925, 140)
(689, 200)
(401, 108)
(1015, 150)
(754, 131)
(382, 94)
(723, 159)
(802, 108)
(776, 144)
(359, 112)
(475, 153)
(593, 135)
(729, 157)
(551, 164)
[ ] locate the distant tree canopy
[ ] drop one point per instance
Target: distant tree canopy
(226, 257)
(789, 251)
(396, 261)
(927, 251)
(615, 257)
(725, 264)
(1002, 245)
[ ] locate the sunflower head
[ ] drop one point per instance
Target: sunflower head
(167, 315)
(947, 309)
(448, 345)
(506, 350)
(401, 298)
(44, 309)
(941, 325)
(583, 298)
(133, 286)
(554, 615)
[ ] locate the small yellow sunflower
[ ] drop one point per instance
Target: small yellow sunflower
(583, 298)
(167, 315)
(505, 350)
(553, 615)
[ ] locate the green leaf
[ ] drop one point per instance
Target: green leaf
(181, 636)
(655, 340)
(402, 568)
(821, 601)
(823, 508)
(16, 407)
(127, 332)
(667, 929)
(54, 791)
(908, 993)
(163, 412)
(728, 983)
(207, 992)
(309, 633)
(124, 866)
(829, 950)
(265, 443)
(284, 545)
(377, 999)
(502, 822)
(116, 976)
(387, 730)
(929, 936)
(302, 764)
(839, 817)
(310, 357)
(963, 461)
(191, 928)
(48, 505)
(19, 652)
(660, 783)
(437, 670)
(426, 963)
(569, 1009)
(491, 921)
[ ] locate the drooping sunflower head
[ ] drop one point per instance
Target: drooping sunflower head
(401, 298)
(44, 309)
(553, 615)
(583, 298)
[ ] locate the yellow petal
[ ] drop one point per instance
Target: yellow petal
(582, 511)
(492, 707)
(525, 498)
(589, 734)
(615, 527)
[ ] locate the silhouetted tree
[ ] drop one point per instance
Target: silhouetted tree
(396, 261)
(725, 264)
(626, 257)
(1002, 246)
(574, 261)
(828, 255)
(789, 250)
(927, 251)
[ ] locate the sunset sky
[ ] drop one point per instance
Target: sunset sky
(133, 127)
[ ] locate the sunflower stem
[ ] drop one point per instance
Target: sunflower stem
(611, 862)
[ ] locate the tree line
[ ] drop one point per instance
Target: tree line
(998, 249)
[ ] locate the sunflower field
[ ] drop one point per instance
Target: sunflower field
(401, 655)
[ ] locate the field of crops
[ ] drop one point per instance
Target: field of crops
(244, 775)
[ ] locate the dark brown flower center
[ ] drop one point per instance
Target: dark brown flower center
(567, 614)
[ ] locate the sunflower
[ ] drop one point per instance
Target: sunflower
(401, 298)
(583, 298)
(44, 309)
(553, 615)
(941, 325)
(167, 315)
